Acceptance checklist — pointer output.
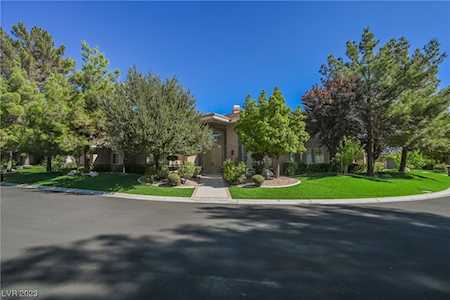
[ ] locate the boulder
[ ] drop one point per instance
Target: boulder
(268, 174)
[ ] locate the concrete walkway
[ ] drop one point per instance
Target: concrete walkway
(211, 187)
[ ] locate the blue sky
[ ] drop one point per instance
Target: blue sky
(224, 51)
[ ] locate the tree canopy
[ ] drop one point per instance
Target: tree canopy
(270, 127)
(47, 107)
(159, 118)
(384, 73)
(331, 112)
(34, 52)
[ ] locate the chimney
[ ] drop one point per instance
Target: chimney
(236, 110)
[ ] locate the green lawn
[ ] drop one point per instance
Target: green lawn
(110, 182)
(328, 186)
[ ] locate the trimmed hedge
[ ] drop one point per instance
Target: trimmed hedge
(288, 168)
(102, 167)
(296, 168)
(129, 168)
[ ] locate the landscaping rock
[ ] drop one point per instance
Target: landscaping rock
(73, 173)
(268, 174)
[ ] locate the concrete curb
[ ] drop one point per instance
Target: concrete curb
(211, 200)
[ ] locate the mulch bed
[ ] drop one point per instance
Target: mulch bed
(281, 181)
(164, 183)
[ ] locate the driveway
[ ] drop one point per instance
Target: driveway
(88, 247)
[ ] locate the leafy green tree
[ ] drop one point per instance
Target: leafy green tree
(250, 126)
(413, 119)
(384, 72)
(349, 150)
(35, 52)
(436, 141)
(16, 93)
(272, 128)
(95, 83)
(162, 116)
(9, 56)
(48, 131)
(121, 121)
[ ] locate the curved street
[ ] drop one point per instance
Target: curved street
(89, 247)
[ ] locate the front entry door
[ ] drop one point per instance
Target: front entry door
(213, 159)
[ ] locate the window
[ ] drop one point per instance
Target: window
(115, 158)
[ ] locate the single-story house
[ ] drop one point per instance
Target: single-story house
(226, 146)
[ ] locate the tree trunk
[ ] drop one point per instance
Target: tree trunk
(156, 162)
(49, 163)
(370, 150)
(85, 153)
(276, 167)
(403, 159)
(10, 161)
(124, 162)
(346, 169)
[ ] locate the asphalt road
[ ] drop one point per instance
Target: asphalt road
(88, 247)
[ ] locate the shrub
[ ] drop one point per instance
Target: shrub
(187, 170)
(356, 168)
(163, 172)
(174, 179)
(440, 167)
(288, 168)
(148, 179)
(116, 168)
(197, 171)
(58, 163)
(71, 165)
(258, 179)
(348, 151)
(149, 174)
(320, 168)
(233, 172)
(429, 164)
(379, 166)
(83, 170)
(99, 168)
(414, 160)
(301, 167)
(135, 168)
(258, 162)
(258, 166)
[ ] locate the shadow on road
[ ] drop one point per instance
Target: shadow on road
(253, 253)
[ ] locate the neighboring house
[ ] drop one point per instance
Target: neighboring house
(226, 146)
